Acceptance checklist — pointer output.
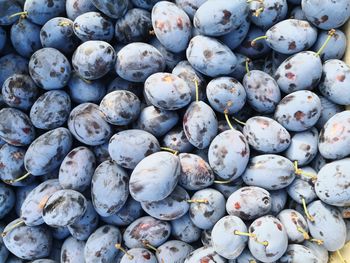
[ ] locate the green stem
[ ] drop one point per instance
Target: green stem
(23, 13)
(330, 35)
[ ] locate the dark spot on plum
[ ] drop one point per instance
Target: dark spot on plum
(174, 249)
(292, 45)
(207, 53)
(299, 115)
(105, 229)
(341, 78)
(288, 66)
(226, 17)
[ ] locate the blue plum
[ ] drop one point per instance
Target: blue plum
(156, 121)
(49, 58)
(100, 245)
(50, 110)
(93, 26)
(86, 123)
(19, 91)
(7, 200)
(25, 37)
(216, 18)
(114, 9)
(210, 57)
(93, 59)
(12, 64)
(109, 188)
(58, 33)
(160, 167)
(15, 127)
(75, 8)
(120, 107)
(28, 242)
(47, 151)
(137, 61)
(41, 11)
(200, 124)
(134, 26)
(77, 168)
(184, 229)
(266, 135)
(171, 25)
(146, 229)
(72, 251)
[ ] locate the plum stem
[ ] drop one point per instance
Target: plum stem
(238, 121)
(342, 259)
(119, 246)
(23, 13)
(148, 245)
(330, 35)
(257, 12)
(223, 182)
(239, 233)
(198, 201)
(247, 61)
(299, 171)
(228, 120)
(318, 241)
(19, 223)
(18, 179)
(253, 42)
(169, 150)
(64, 23)
(305, 234)
(310, 217)
(197, 89)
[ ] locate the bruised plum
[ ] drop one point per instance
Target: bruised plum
(334, 138)
(15, 127)
(216, 18)
(64, 208)
(127, 148)
(335, 81)
(291, 36)
(229, 154)
(263, 93)
(270, 229)
(109, 188)
(28, 242)
(226, 94)
(77, 168)
(160, 167)
(266, 135)
(134, 26)
(46, 153)
(93, 26)
(93, 59)
(86, 123)
(249, 202)
(137, 61)
(195, 173)
(205, 215)
(50, 110)
(100, 245)
(210, 57)
(49, 68)
(172, 26)
(301, 71)
(146, 229)
(167, 91)
(200, 124)
(19, 91)
(120, 107)
(326, 14)
(332, 184)
(176, 139)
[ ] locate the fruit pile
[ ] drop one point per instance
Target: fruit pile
(185, 131)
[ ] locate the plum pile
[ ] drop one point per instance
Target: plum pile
(180, 131)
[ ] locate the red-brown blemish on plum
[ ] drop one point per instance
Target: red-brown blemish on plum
(180, 23)
(237, 205)
(290, 75)
(26, 130)
(341, 78)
